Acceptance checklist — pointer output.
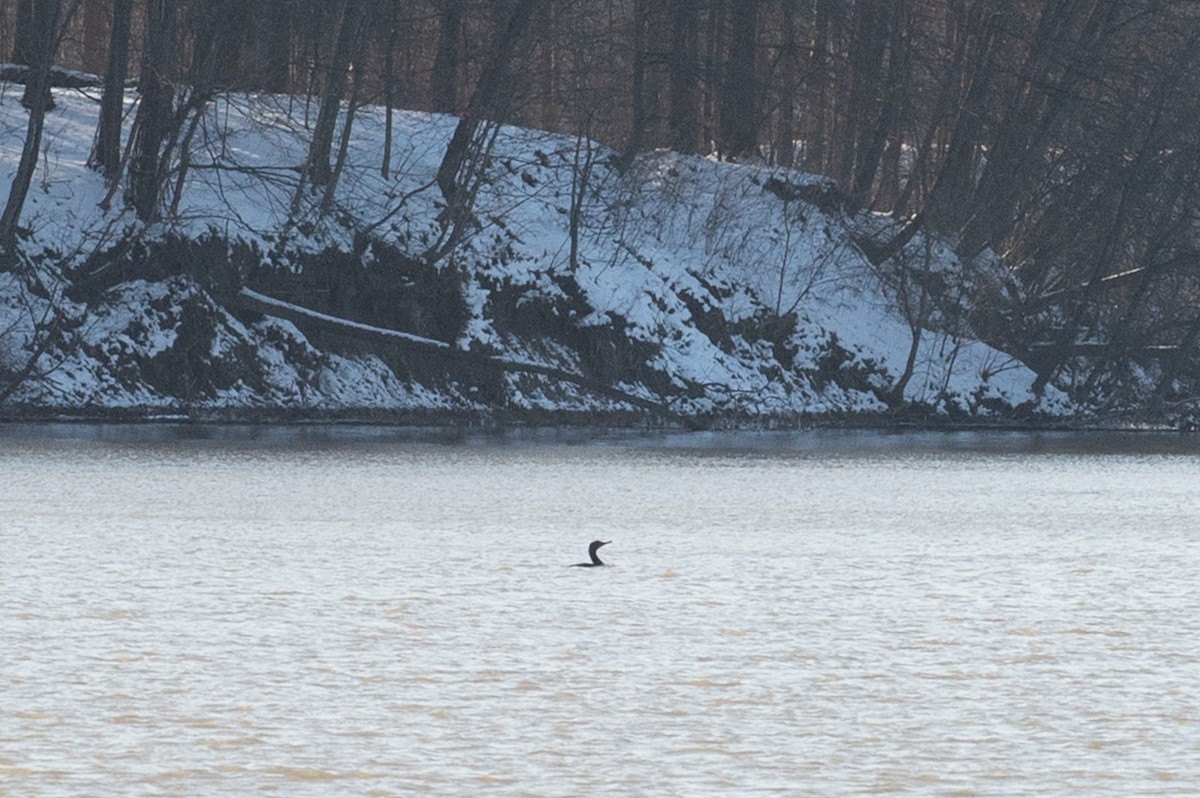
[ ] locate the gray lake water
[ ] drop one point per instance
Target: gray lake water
(355, 612)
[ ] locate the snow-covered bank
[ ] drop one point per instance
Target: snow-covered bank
(713, 291)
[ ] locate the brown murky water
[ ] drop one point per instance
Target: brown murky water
(343, 613)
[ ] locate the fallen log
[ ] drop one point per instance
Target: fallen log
(60, 78)
(441, 351)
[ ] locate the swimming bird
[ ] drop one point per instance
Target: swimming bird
(592, 549)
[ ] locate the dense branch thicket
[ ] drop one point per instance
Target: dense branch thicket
(1063, 135)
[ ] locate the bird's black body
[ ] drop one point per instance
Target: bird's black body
(592, 549)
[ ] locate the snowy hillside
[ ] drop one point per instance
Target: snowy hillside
(716, 291)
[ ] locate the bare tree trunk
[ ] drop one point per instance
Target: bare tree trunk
(344, 142)
(97, 18)
(858, 124)
(45, 24)
(227, 22)
(956, 42)
(1009, 145)
(219, 25)
(155, 111)
(739, 120)
(25, 36)
(789, 63)
(1060, 62)
(551, 67)
(637, 128)
(816, 141)
(683, 115)
(916, 314)
(278, 45)
(485, 102)
(713, 51)
(949, 198)
(389, 91)
(318, 167)
(317, 15)
(869, 150)
(26, 49)
(889, 177)
(106, 154)
(581, 174)
(444, 87)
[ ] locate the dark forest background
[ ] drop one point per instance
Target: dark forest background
(1061, 135)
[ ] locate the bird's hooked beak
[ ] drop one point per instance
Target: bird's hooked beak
(600, 543)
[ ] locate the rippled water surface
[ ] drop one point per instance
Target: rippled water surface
(352, 613)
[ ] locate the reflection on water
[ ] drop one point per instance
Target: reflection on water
(355, 612)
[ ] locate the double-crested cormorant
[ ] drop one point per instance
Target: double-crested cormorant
(592, 549)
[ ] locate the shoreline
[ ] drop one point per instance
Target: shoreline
(500, 420)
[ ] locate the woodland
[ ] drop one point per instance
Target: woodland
(1054, 144)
